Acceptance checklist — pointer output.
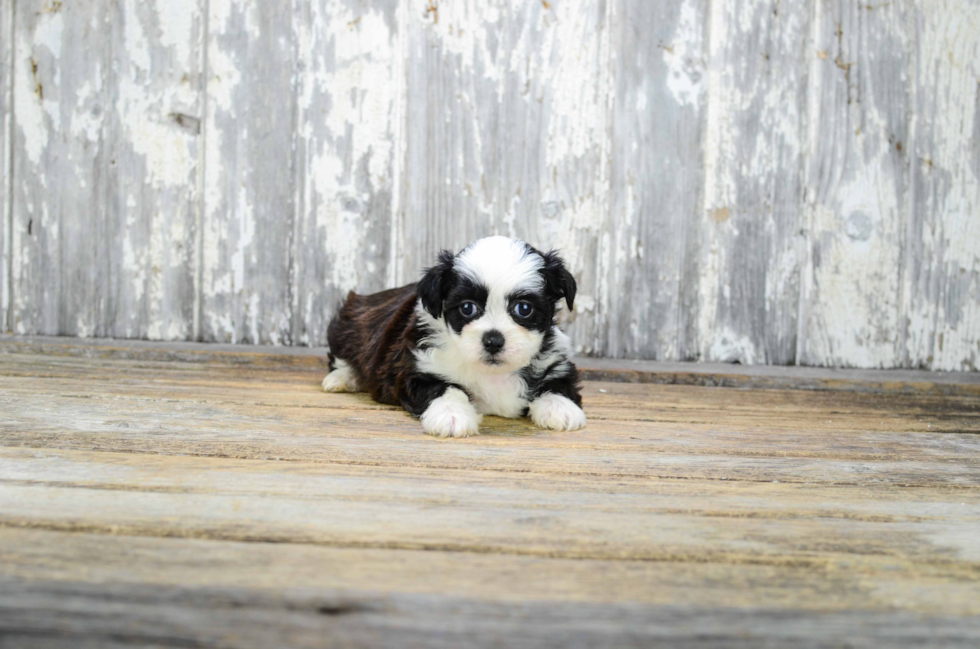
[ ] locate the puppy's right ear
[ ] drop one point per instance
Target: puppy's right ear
(436, 283)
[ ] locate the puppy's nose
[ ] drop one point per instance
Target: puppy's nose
(493, 341)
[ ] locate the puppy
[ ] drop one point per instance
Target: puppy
(477, 336)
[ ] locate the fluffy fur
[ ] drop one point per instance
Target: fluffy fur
(477, 335)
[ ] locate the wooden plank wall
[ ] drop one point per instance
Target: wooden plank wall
(752, 181)
(6, 63)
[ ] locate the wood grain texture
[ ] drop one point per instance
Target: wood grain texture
(71, 614)
(507, 132)
(942, 255)
(357, 576)
(249, 176)
(106, 193)
(857, 184)
(145, 500)
(6, 123)
(753, 252)
(349, 69)
(649, 249)
(61, 264)
(755, 182)
(153, 108)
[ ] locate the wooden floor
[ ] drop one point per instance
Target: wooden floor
(153, 497)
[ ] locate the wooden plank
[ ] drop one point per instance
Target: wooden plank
(105, 161)
(856, 185)
(640, 431)
(249, 176)
(348, 94)
(92, 380)
(358, 575)
(894, 532)
(6, 124)
(753, 253)
(146, 501)
(507, 132)
(61, 75)
(154, 111)
(942, 255)
(94, 582)
(66, 614)
(648, 277)
(762, 377)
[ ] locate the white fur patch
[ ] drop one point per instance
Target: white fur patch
(556, 412)
(341, 379)
(502, 265)
(451, 415)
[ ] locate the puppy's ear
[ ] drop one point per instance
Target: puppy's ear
(436, 283)
(559, 283)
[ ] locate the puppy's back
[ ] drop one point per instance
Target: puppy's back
(369, 330)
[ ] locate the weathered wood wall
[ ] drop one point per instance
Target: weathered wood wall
(753, 181)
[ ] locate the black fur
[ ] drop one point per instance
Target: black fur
(463, 289)
(421, 390)
(559, 283)
(436, 283)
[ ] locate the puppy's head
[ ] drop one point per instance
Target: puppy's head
(496, 300)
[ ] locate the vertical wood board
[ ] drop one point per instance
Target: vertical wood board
(856, 184)
(649, 249)
(60, 232)
(347, 89)
(153, 140)
(6, 120)
(249, 176)
(753, 250)
(942, 255)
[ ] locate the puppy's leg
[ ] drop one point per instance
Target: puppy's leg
(451, 415)
(341, 378)
(557, 412)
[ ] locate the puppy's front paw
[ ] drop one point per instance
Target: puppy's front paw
(342, 379)
(556, 412)
(451, 415)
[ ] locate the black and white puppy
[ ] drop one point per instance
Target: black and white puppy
(478, 335)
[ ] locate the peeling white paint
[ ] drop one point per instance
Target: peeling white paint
(176, 21)
(28, 116)
(752, 152)
(729, 346)
(355, 134)
(856, 282)
(944, 311)
(859, 297)
(683, 57)
(853, 287)
(361, 89)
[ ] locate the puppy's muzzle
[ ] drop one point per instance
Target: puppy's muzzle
(493, 342)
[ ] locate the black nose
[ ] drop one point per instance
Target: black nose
(493, 341)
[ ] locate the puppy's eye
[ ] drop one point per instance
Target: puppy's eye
(523, 309)
(468, 309)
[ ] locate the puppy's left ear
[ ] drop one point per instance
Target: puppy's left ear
(558, 281)
(436, 283)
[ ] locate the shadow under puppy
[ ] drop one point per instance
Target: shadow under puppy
(477, 335)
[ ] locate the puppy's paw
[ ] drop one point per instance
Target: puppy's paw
(451, 415)
(342, 379)
(556, 412)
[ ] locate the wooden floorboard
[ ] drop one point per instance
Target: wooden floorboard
(148, 500)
